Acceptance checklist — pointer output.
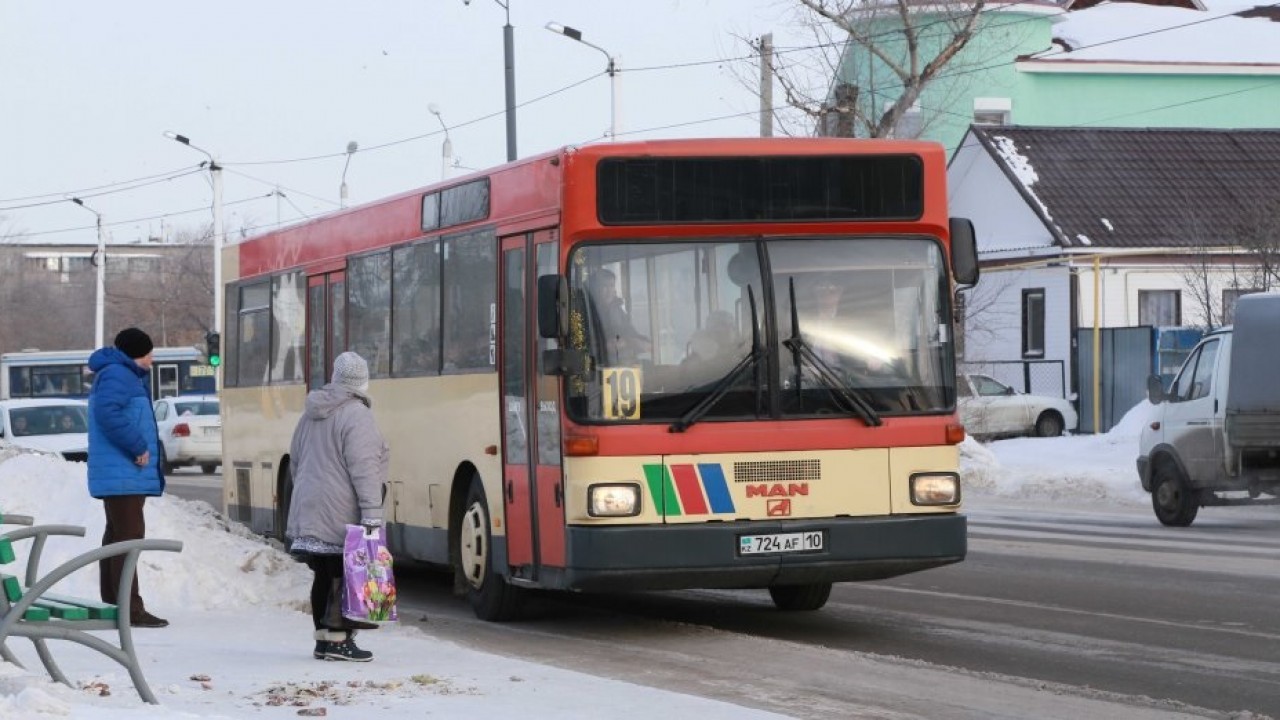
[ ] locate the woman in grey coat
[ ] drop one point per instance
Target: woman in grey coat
(339, 462)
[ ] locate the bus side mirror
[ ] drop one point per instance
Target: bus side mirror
(1155, 390)
(553, 300)
(964, 252)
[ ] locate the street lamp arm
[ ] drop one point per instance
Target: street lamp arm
(219, 236)
(213, 164)
(575, 34)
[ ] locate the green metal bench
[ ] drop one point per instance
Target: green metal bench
(28, 608)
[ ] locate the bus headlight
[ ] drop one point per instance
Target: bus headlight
(613, 500)
(935, 488)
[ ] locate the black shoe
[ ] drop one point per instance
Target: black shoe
(145, 619)
(322, 649)
(345, 650)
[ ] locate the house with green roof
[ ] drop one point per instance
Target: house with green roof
(1185, 63)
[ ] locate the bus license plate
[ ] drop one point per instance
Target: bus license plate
(780, 543)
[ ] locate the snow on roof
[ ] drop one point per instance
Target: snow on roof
(1020, 166)
(1134, 32)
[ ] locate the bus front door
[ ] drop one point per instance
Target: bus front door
(532, 490)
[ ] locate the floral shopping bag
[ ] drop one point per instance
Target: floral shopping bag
(370, 594)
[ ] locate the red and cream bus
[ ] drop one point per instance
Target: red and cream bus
(651, 365)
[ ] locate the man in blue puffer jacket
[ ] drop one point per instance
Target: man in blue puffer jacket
(124, 450)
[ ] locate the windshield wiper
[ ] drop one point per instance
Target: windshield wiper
(751, 361)
(800, 350)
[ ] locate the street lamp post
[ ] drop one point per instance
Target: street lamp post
(215, 170)
(509, 63)
(446, 148)
(611, 68)
(100, 260)
(342, 191)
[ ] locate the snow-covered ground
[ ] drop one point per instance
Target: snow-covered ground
(240, 640)
(1080, 468)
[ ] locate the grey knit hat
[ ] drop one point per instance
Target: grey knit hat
(351, 371)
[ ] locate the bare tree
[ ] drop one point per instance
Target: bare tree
(1258, 232)
(1231, 261)
(870, 62)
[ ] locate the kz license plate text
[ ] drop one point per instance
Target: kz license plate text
(780, 543)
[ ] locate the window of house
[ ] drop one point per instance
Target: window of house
(992, 111)
(1229, 298)
(1160, 308)
(1033, 322)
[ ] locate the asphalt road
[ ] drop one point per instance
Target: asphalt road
(1057, 612)
(192, 484)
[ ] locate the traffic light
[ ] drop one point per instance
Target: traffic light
(213, 348)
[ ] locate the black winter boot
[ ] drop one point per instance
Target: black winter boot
(346, 649)
(325, 640)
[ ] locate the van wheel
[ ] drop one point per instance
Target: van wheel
(800, 598)
(1049, 424)
(209, 468)
(1175, 504)
(492, 597)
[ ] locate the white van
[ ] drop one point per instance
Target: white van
(1216, 429)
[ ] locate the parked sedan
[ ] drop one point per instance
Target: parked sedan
(989, 408)
(190, 432)
(58, 426)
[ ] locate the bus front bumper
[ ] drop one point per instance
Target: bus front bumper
(671, 557)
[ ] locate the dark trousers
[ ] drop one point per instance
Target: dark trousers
(124, 522)
(326, 592)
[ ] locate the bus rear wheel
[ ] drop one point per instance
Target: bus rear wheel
(800, 598)
(491, 596)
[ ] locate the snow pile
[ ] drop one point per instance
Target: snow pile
(1087, 467)
(221, 566)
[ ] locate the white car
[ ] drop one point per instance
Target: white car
(190, 432)
(989, 408)
(59, 426)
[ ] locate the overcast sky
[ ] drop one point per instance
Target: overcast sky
(89, 88)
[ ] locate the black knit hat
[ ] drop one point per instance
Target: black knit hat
(134, 343)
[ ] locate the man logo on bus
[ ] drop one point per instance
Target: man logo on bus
(777, 490)
(778, 508)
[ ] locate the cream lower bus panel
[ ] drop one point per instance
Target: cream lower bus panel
(258, 424)
(764, 486)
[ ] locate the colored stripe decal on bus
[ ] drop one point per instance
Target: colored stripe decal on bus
(717, 489)
(660, 488)
(690, 491)
(693, 488)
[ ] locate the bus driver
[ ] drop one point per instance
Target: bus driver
(624, 343)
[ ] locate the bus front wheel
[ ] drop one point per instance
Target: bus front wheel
(492, 598)
(800, 598)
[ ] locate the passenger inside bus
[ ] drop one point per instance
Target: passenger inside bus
(714, 349)
(19, 425)
(624, 343)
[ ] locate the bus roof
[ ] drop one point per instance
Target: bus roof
(523, 194)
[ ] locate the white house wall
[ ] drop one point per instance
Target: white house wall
(980, 191)
(1119, 289)
(993, 319)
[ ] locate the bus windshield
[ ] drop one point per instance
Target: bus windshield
(665, 327)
